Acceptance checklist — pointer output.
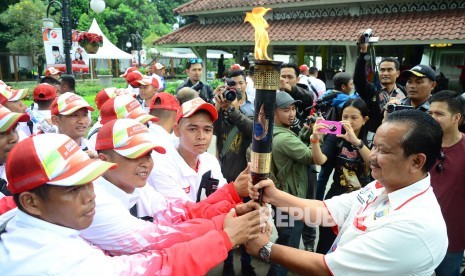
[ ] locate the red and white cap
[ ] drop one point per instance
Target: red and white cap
(44, 92)
(127, 137)
(303, 68)
(158, 66)
(11, 94)
(164, 100)
(150, 80)
(189, 108)
(124, 106)
(237, 67)
(129, 70)
(68, 103)
(9, 119)
(53, 159)
(133, 77)
(106, 94)
(52, 71)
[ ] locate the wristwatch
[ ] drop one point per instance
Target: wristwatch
(359, 147)
(265, 252)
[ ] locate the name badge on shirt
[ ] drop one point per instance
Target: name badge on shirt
(365, 196)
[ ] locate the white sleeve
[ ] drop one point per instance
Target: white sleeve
(340, 206)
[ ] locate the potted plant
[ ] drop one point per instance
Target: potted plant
(104, 75)
(91, 42)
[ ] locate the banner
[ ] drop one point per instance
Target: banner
(54, 52)
(135, 57)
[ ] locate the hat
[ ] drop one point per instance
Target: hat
(159, 66)
(124, 106)
(283, 100)
(129, 70)
(133, 77)
(44, 92)
(11, 94)
(68, 103)
(190, 107)
(303, 68)
(105, 94)
(53, 159)
(164, 100)
(52, 71)
(422, 71)
(127, 137)
(150, 80)
(237, 67)
(9, 119)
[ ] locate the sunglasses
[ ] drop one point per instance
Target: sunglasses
(439, 167)
(195, 60)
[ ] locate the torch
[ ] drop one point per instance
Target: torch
(266, 79)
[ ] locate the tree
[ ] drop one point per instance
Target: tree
(23, 20)
(165, 8)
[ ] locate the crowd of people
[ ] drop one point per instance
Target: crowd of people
(148, 190)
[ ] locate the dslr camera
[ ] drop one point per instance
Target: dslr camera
(229, 93)
(394, 107)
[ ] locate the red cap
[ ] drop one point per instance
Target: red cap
(44, 92)
(129, 70)
(9, 119)
(53, 159)
(133, 77)
(158, 66)
(190, 107)
(52, 71)
(68, 103)
(237, 67)
(303, 68)
(150, 80)
(124, 106)
(164, 100)
(127, 137)
(104, 95)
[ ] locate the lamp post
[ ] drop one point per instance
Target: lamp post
(136, 40)
(96, 5)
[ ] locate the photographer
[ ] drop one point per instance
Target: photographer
(298, 91)
(233, 130)
(194, 72)
(376, 99)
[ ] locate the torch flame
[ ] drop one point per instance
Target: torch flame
(261, 35)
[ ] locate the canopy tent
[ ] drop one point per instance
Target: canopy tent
(108, 50)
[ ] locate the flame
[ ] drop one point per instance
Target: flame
(261, 35)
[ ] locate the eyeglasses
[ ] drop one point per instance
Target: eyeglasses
(439, 167)
(195, 60)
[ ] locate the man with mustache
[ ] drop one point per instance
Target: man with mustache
(392, 226)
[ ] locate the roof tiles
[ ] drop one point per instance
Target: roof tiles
(432, 25)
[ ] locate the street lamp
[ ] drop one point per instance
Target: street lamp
(136, 40)
(96, 5)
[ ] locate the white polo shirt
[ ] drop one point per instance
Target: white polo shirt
(172, 176)
(115, 230)
(400, 233)
(162, 137)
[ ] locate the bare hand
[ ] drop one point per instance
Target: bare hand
(243, 228)
(269, 190)
(92, 154)
(242, 182)
(245, 208)
(361, 43)
(222, 102)
(317, 127)
(284, 85)
(253, 246)
(349, 136)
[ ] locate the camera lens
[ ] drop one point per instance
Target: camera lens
(229, 95)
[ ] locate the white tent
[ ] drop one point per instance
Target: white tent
(108, 50)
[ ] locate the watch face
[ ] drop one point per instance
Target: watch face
(264, 254)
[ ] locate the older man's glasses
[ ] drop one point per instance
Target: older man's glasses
(195, 60)
(439, 166)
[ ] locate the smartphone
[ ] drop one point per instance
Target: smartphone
(334, 127)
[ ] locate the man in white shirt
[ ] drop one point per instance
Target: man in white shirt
(182, 171)
(148, 88)
(70, 114)
(309, 77)
(15, 103)
(43, 95)
(165, 107)
(393, 226)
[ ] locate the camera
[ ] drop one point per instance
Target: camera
(229, 93)
(394, 107)
(367, 37)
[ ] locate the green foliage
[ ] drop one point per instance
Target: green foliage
(24, 22)
(103, 72)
